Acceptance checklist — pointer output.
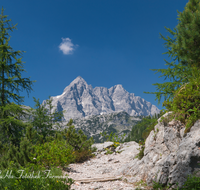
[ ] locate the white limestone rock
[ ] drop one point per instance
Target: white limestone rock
(169, 156)
(102, 146)
(80, 100)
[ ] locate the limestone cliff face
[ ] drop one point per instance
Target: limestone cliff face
(80, 100)
(169, 156)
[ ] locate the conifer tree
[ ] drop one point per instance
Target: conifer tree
(45, 121)
(183, 49)
(11, 83)
(40, 129)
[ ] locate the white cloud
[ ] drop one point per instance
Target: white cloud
(66, 46)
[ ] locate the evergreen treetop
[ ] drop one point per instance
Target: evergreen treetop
(10, 73)
(11, 83)
(183, 49)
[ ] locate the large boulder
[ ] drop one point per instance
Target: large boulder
(102, 146)
(169, 155)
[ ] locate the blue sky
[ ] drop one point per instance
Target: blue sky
(107, 42)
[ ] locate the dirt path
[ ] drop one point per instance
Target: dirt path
(102, 172)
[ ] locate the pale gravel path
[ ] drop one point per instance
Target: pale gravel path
(104, 166)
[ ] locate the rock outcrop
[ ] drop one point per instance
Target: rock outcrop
(169, 155)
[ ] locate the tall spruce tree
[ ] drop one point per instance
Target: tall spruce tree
(11, 82)
(184, 50)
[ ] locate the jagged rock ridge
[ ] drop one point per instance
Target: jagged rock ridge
(80, 100)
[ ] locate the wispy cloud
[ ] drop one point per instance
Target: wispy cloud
(66, 46)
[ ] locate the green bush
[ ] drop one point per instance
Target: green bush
(192, 183)
(34, 154)
(54, 153)
(78, 140)
(186, 102)
(19, 155)
(25, 178)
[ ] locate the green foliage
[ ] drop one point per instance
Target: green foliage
(141, 150)
(59, 148)
(140, 132)
(116, 144)
(182, 94)
(155, 133)
(113, 137)
(81, 145)
(141, 184)
(142, 129)
(10, 72)
(192, 183)
(11, 128)
(188, 38)
(10, 82)
(108, 151)
(39, 143)
(21, 178)
(183, 48)
(19, 155)
(45, 122)
(54, 153)
(186, 103)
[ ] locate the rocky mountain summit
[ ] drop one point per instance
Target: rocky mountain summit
(80, 100)
(169, 157)
(99, 110)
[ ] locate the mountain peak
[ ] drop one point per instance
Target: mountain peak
(80, 100)
(78, 79)
(118, 86)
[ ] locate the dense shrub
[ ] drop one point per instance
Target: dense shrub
(26, 178)
(19, 155)
(78, 140)
(186, 102)
(54, 153)
(35, 155)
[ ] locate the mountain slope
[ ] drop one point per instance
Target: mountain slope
(118, 122)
